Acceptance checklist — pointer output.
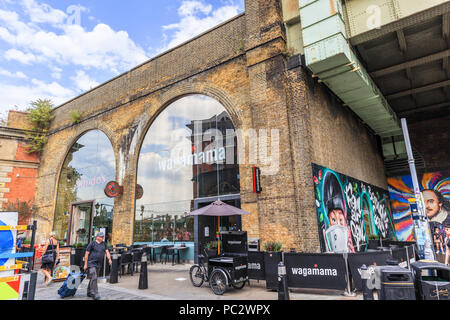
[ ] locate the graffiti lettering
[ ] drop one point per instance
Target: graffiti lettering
(356, 223)
(380, 215)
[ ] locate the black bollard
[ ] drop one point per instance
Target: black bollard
(283, 290)
(365, 276)
(143, 278)
(114, 274)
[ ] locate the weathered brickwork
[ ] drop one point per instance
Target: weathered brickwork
(431, 138)
(241, 63)
(341, 142)
(18, 169)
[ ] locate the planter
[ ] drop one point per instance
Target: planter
(256, 265)
(271, 261)
(211, 252)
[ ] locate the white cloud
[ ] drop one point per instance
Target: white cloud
(43, 13)
(18, 74)
(102, 48)
(25, 58)
(189, 8)
(53, 89)
(83, 81)
(21, 95)
(42, 37)
(197, 17)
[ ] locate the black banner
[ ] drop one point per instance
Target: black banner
(320, 271)
(356, 260)
(398, 243)
(257, 180)
(256, 265)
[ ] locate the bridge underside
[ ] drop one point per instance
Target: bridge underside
(409, 62)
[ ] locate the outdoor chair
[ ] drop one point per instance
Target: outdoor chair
(165, 252)
(175, 254)
(136, 261)
(148, 253)
(126, 261)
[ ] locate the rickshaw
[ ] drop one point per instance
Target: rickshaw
(226, 270)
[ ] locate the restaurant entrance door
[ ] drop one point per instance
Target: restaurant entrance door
(206, 227)
(80, 223)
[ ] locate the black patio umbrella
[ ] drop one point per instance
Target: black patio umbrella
(218, 209)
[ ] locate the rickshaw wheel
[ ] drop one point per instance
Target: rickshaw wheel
(197, 276)
(218, 282)
(239, 285)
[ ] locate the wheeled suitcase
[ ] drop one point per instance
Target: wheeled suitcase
(70, 286)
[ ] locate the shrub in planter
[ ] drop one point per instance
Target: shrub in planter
(211, 248)
(272, 246)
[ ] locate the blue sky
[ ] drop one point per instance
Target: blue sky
(58, 49)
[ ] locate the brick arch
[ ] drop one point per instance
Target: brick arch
(81, 130)
(175, 93)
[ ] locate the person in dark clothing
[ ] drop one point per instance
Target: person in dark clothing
(51, 247)
(93, 260)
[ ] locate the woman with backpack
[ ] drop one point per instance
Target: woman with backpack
(49, 258)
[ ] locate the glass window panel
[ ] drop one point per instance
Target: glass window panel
(88, 167)
(183, 157)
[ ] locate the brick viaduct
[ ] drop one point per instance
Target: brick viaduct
(243, 64)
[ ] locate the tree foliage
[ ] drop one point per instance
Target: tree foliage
(40, 117)
(75, 116)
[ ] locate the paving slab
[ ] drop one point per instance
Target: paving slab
(167, 282)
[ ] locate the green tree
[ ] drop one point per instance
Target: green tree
(40, 117)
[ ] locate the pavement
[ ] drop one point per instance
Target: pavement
(171, 282)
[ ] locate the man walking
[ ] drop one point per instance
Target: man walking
(93, 259)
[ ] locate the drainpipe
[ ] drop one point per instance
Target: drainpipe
(421, 225)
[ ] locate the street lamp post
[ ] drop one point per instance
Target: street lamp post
(142, 217)
(421, 225)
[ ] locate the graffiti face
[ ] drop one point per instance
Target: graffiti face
(432, 204)
(337, 217)
(340, 200)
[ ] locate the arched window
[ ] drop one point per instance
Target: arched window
(82, 208)
(189, 153)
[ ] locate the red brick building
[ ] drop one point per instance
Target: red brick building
(18, 169)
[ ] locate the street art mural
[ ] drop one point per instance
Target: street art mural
(435, 188)
(9, 283)
(350, 212)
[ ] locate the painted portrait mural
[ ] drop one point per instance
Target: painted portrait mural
(350, 212)
(435, 188)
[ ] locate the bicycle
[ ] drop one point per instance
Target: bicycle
(198, 273)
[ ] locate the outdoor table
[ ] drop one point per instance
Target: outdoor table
(154, 247)
(178, 256)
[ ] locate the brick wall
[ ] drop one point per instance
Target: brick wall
(341, 142)
(18, 170)
(431, 138)
(18, 120)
